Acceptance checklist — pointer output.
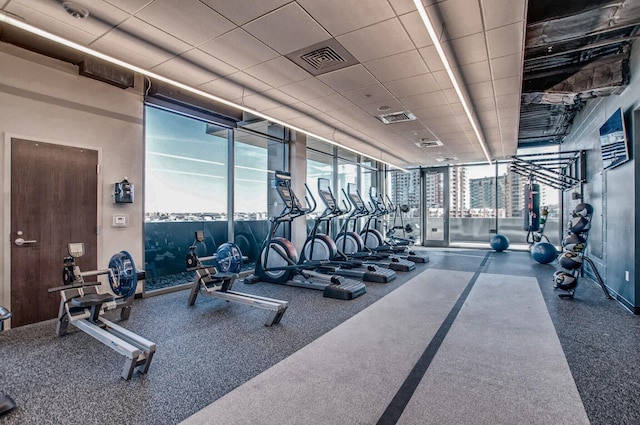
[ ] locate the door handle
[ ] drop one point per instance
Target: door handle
(21, 241)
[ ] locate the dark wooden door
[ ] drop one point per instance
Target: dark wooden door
(53, 202)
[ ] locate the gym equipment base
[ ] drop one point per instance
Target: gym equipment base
(418, 257)
(209, 281)
(368, 273)
(339, 287)
(400, 265)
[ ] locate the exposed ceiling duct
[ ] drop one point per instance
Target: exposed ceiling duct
(574, 51)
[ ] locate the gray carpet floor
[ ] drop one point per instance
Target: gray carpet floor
(207, 351)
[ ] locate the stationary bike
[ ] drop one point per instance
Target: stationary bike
(6, 403)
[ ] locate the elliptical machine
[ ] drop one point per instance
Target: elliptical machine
(278, 259)
(6, 403)
(352, 243)
(320, 246)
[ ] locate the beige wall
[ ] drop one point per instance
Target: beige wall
(46, 100)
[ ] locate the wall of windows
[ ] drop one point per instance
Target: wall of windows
(188, 189)
(483, 199)
(256, 158)
(185, 190)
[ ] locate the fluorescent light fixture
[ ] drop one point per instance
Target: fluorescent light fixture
(443, 57)
(49, 36)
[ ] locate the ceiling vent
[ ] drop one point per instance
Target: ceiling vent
(394, 117)
(447, 159)
(426, 143)
(322, 57)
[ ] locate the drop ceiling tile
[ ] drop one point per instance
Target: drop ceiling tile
(130, 6)
(480, 90)
(278, 72)
(259, 102)
(55, 26)
(50, 15)
(469, 49)
(450, 95)
(431, 58)
(475, 72)
(507, 85)
(412, 22)
(413, 85)
(508, 113)
(186, 71)
(405, 6)
(305, 123)
(505, 40)
(334, 102)
(462, 17)
(424, 100)
(287, 29)
(507, 66)
(133, 35)
(432, 113)
(347, 79)
(508, 101)
(394, 106)
(371, 94)
(242, 11)
(498, 13)
(208, 63)
(483, 104)
(284, 113)
(396, 67)
(247, 81)
(310, 88)
(443, 80)
(281, 97)
(223, 88)
(377, 41)
(189, 20)
(342, 16)
(239, 49)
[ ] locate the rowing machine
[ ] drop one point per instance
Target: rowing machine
(211, 281)
(82, 304)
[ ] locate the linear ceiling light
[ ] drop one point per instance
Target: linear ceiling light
(37, 31)
(443, 57)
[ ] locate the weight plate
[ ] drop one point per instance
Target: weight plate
(229, 258)
(124, 278)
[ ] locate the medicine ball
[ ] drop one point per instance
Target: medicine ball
(579, 224)
(499, 242)
(563, 280)
(543, 252)
(583, 210)
(573, 239)
(570, 260)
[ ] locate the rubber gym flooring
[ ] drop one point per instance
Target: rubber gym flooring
(472, 337)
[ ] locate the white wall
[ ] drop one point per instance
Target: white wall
(44, 99)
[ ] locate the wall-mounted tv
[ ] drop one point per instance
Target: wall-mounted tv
(613, 141)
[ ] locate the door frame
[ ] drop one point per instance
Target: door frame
(445, 219)
(5, 288)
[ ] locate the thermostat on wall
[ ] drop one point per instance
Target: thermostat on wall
(120, 220)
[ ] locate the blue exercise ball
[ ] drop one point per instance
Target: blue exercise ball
(544, 252)
(499, 242)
